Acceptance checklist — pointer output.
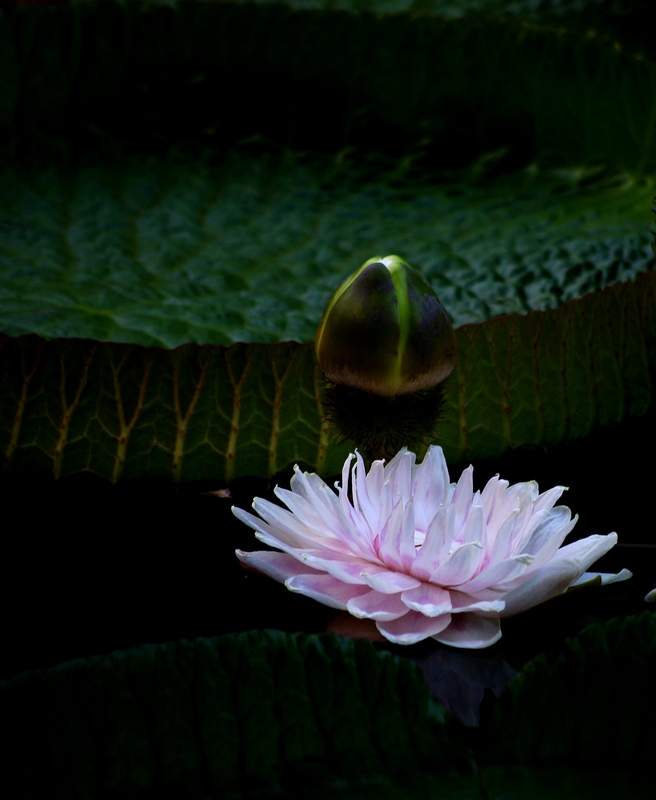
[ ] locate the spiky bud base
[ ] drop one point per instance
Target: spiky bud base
(380, 425)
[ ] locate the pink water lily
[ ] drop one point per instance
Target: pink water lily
(421, 556)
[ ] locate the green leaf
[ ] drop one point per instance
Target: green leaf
(591, 704)
(237, 713)
(170, 251)
(193, 413)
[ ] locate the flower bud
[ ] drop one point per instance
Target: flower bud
(385, 331)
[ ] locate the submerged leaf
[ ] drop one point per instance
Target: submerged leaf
(592, 703)
(237, 713)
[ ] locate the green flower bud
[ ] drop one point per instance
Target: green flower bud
(385, 331)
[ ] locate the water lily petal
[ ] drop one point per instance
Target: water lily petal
(474, 529)
(374, 479)
(604, 578)
(324, 588)
(559, 574)
(588, 550)
(397, 539)
(549, 534)
(460, 566)
(499, 540)
(316, 491)
(401, 474)
(492, 497)
(545, 583)
(389, 540)
(495, 574)
(430, 486)
(290, 544)
(428, 599)
(471, 631)
(547, 499)
(412, 627)
(375, 605)
(389, 582)
(305, 512)
(275, 536)
(462, 496)
(364, 501)
(346, 568)
(287, 528)
(462, 602)
(278, 566)
(434, 548)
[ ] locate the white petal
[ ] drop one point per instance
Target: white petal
(462, 602)
(462, 497)
(375, 605)
(363, 501)
(284, 526)
(305, 512)
(324, 588)
(500, 540)
(474, 528)
(493, 499)
(471, 631)
(492, 494)
(603, 578)
(413, 627)
(407, 550)
(558, 575)
(402, 477)
(390, 536)
(519, 496)
(278, 536)
(430, 487)
(588, 550)
(460, 566)
(398, 462)
(522, 523)
(345, 568)
(375, 480)
(316, 491)
(545, 583)
(497, 574)
(549, 534)
(390, 582)
(348, 530)
(434, 549)
(428, 599)
(278, 566)
(547, 499)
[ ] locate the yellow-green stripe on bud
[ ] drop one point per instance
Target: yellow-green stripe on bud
(385, 331)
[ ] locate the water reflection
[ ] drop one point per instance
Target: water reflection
(458, 678)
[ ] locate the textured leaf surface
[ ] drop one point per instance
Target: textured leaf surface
(593, 703)
(217, 413)
(230, 714)
(166, 253)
